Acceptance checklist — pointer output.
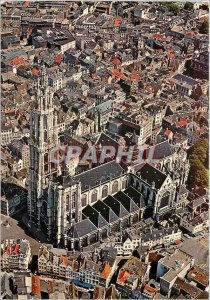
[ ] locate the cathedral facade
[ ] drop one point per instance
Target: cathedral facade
(75, 211)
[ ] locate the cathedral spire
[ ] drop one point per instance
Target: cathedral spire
(44, 94)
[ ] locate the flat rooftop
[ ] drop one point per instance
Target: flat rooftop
(176, 263)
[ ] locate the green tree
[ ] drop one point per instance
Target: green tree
(172, 6)
(188, 68)
(199, 150)
(188, 6)
(204, 28)
(198, 157)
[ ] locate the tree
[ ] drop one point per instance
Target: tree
(189, 6)
(198, 157)
(172, 6)
(204, 28)
(199, 150)
(188, 68)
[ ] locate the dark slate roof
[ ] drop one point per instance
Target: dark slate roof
(102, 173)
(157, 234)
(183, 190)
(106, 140)
(65, 181)
(94, 216)
(5, 286)
(136, 196)
(198, 201)
(11, 39)
(82, 228)
(103, 107)
(185, 79)
(109, 254)
(159, 151)
(105, 211)
(116, 206)
(151, 175)
(126, 201)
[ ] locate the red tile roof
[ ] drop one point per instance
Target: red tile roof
(58, 59)
(118, 74)
(171, 55)
(196, 274)
(34, 72)
(117, 22)
(191, 33)
(123, 276)
(149, 289)
(135, 77)
(8, 250)
(36, 287)
(181, 123)
(153, 256)
(158, 36)
(17, 61)
(7, 111)
(116, 61)
(64, 260)
(106, 271)
(16, 249)
(95, 75)
(167, 132)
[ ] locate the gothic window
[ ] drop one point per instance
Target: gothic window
(52, 166)
(145, 192)
(67, 203)
(94, 196)
(115, 187)
(45, 122)
(124, 183)
(158, 166)
(44, 101)
(45, 136)
(46, 162)
(148, 193)
(74, 198)
(167, 164)
(165, 200)
(84, 200)
(104, 191)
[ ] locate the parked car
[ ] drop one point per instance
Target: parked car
(187, 236)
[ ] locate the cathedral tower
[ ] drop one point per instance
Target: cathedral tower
(43, 138)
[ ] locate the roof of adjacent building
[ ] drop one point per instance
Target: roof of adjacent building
(159, 151)
(185, 79)
(158, 234)
(136, 196)
(188, 288)
(103, 173)
(103, 107)
(11, 39)
(151, 175)
(106, 211)
(116, 206)
(198, 275)
(95, 217)
(198, 201)
(175, 263)
(126, 201)
(82, 228)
